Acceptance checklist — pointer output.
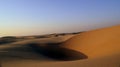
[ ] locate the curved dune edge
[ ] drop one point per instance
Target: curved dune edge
(96, 43)
(40, 41)
(57, 53)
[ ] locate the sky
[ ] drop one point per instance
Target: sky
(36, 17)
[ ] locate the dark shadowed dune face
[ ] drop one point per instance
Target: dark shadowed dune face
(0, 64)
(58, 53)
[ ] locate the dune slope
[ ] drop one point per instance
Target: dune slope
(96, 43)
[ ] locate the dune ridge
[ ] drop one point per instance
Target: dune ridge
(96, 43)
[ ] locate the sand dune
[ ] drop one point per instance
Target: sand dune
(96, 43)
(101, 47)
(37, 40)
(108, 61)
(48, 47)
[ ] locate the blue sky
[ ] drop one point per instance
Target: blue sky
(34, 17)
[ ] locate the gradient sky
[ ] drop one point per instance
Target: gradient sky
(35, 17)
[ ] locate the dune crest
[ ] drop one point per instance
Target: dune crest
(96, 43)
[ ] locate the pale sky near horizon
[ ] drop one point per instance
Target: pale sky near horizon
(35, 17)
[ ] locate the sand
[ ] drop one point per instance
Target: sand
(96, 43)
(101, 48)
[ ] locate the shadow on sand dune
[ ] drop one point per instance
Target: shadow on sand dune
(21, 53)
(0, 64)
(56, 52)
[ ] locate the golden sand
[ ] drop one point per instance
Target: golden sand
(96, 43)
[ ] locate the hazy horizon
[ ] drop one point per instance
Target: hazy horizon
(36, 17)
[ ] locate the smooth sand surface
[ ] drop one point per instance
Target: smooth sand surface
(102, 48)
(108, 61)
(96, 43)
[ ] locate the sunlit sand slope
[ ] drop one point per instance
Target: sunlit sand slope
(96, 43)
